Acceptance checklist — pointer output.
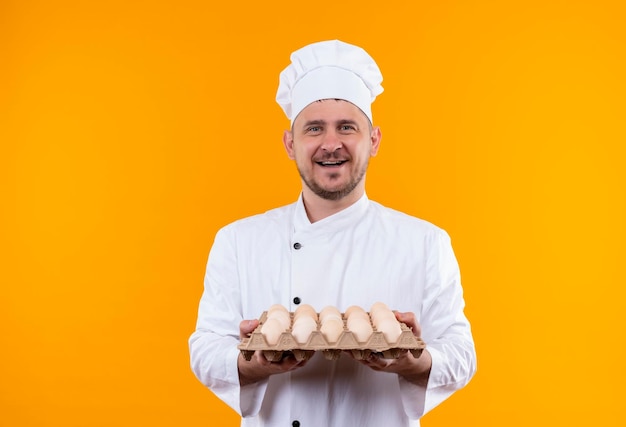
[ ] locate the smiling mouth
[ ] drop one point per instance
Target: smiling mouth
(332, 163)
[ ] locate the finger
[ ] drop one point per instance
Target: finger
(260, 359)
(408, 319)
(292, 363)
(405, 317)
(246, 327)
(377, 362)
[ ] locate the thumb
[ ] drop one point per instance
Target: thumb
(246, 327)
(401, 317)
(408, 318)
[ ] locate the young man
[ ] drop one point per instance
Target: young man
(333, 246)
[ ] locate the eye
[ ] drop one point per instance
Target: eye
(314, 129)
(347, 128)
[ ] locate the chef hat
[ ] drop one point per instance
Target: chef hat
(329, 70)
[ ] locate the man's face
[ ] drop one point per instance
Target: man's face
(331, 142)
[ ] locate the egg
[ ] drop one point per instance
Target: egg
(277, 307)
(353, 309)
(302, 328)
(332, 328)
(359, 315)
(379, 312)
(271, 330)
(383, 315)
(329, 311)
(390, 328)
(360, 327)
(305, 310)
(378, 306)
(282, 316)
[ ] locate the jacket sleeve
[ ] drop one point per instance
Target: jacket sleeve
(445, 329)
(213, 345)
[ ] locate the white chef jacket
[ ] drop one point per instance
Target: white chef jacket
(363, 254)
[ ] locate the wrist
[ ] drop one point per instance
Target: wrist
(247, 372)
(418, 371)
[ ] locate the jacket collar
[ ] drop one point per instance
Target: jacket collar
(338, 221)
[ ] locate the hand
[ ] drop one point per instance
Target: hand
(408, 319)
(415, 370)
(246, 327)
(258, 367)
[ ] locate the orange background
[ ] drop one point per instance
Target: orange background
(132, 130)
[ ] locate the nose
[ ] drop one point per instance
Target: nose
(331, 142)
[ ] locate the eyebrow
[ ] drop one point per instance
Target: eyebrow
(313, 123)
(324, 122)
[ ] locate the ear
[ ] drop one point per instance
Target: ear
(375, 137)
(288, 143)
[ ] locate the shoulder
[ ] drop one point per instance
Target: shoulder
(261, 223)
(406, 229)
(403, 221)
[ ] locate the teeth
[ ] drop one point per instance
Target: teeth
(331, 163)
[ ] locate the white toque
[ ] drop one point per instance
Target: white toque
(329, 70)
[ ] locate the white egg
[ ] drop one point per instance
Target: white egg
(380, 311)
(302, 328)
(282, 316)
(353, 309)
(329, 317)
(378, 306)
(390, 328)
(329, 311)
(332, 329)
(382, 316)
(360, 327)
(305, 310)
(359, 315)
(277, 307)
(271, 330)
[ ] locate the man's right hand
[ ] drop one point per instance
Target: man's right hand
(258, 367)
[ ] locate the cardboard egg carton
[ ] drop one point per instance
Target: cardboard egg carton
(286, 344)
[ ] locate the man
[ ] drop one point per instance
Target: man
(332, 247)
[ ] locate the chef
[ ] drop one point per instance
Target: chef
(332, 247)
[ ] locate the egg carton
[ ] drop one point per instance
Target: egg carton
(375, 344)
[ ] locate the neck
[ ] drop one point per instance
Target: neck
(318, 208)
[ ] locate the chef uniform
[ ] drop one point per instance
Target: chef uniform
(361, 255)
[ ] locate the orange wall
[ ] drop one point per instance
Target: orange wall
(132, 130)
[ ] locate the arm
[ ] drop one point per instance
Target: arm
(449, 361)
(215, 358)
(213, 346)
